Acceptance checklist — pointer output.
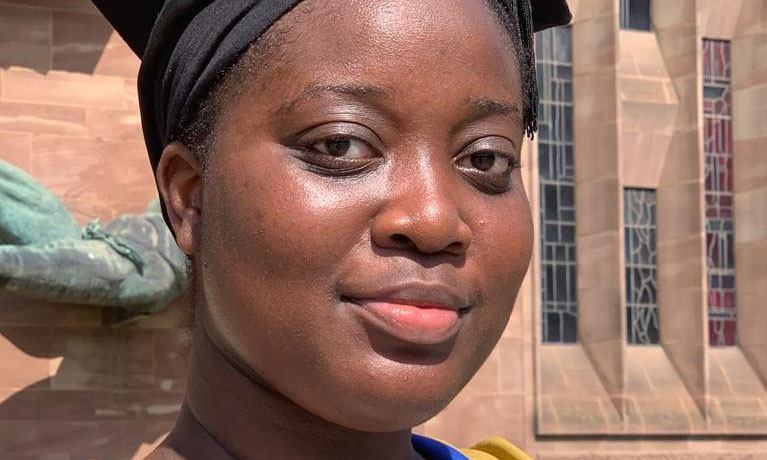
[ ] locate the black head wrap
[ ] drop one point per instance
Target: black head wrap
(185, 45)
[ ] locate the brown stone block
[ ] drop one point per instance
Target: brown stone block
(678, 45)
(22, 311)
(656, 369)
(627, 62)
(643, 89)
(590, 9)
(130, 88)
(748, 113)
(751, 265)
(632, 419)
(744, 415)
(602, 318)
(737, 375)
(63, 88)
(594, 45)
(144, 437)
(599, 261)
(511, 365)
(684, 320)
(673, 14)
(77, 6)
(137, 358)
(91, 358)
(78, 40)
(61, 405)
(171, 357)
(637, 381)
(598, 207)
(16, 148)
(27, 356)
(663, 415)
(552, 378)
(95, 179)
(114, 124)
(644, 49)
(595, 151)
(40, 457)
(681, 263)
(749, 61)
(751, 209)
(688, 112)
(680, 210)
(117, 59)
(717, 18)
(595, 100)
(753, 18)
(82, 439)
(546, 417)
(608, 360)
(685, 163)
(687, 378)
(25, 38)
(487, 379)
(39, 118)
(480, 417)
(649, 117)
(750, 167)
(150, 405)
(579, 414)
(644, 156)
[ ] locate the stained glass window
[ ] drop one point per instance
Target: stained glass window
(641, 266)
(635, 14)
(557, 185)
(718, 151)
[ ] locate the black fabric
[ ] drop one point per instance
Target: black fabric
(186, 48)
(134, 24)
(550, 13)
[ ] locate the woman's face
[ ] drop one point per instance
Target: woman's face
(364, 224)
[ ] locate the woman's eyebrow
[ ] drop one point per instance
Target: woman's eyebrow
(486, 107)
(370, 93)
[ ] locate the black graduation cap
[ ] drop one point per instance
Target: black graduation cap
(185, 44)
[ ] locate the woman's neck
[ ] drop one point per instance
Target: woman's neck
(228, 415)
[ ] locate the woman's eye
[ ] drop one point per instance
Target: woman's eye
(487, 162)
(344, 147)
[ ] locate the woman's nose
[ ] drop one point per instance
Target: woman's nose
(422, 215)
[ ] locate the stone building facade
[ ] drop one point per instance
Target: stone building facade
(640, 331)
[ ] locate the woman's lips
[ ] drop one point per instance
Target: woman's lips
(422, 317)
(409, 323)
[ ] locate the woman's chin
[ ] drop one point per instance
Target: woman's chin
(399, 404)
(386, 416)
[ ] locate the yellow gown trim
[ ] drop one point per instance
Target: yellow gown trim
(495, 448)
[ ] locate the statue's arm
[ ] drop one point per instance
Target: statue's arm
(85, 272)
(29, 213)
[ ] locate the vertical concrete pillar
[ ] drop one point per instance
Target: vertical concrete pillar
(749, 82)
(598, 193)
(681, 230)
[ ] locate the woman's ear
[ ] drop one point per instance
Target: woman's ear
(179, 180)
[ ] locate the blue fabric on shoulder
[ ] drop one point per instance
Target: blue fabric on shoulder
(435, 450)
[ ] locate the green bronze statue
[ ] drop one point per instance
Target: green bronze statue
(132, 263)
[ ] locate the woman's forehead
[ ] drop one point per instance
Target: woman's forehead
(387, 48)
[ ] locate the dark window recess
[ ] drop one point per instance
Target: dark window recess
(635, 14)
(559, 310)
(642, 325)
(720, 212)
